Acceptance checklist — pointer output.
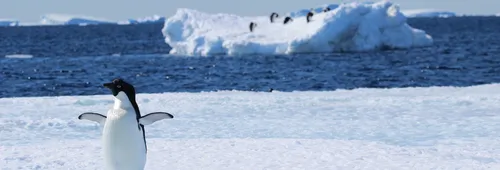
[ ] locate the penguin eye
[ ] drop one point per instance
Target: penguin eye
(119, 86)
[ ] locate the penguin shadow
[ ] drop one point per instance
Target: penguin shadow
(145, 100)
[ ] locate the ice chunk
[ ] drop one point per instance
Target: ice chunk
(351, 27)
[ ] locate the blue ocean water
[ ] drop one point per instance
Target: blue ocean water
(74, 60)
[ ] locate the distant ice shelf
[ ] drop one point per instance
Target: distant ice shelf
(65, 19)
(9, 22)
(414, 13)
(148, 19)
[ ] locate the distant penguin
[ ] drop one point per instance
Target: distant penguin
(287, 19)
(273, 16)
(124, 140)
(326, 9)
(309, 16)
(252, 26)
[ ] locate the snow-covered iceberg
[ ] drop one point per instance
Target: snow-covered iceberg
(9, 22)
(414, 13)
(149, 19)
(351, 27)
(64, 19)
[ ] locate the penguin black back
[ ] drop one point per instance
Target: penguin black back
(309, 16)
(326, 9)
(287, 19)
(252, 26)
(273, 15)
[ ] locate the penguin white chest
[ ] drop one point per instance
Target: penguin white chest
(123, 142)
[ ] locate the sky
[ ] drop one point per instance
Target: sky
(31, 10)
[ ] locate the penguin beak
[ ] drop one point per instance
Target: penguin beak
(108, 85)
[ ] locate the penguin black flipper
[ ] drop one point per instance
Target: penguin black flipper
(141, 127)
(95, 117)
(287, 19)
(153, 117)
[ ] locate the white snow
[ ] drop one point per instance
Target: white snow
(66, 19)
(19, 56)
(414, 13)
(400, 128)
(350, 27)
(9, 22)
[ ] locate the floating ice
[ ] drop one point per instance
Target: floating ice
(149, 19)
(9, 22)
(414, 13)
(64, 19)
(19, 56)
(350, 27)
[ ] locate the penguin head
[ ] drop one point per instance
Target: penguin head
(119, 85)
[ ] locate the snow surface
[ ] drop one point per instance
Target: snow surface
(400, 128)
(65, 19)
(9, 22)
(350, 27)
(414, 13)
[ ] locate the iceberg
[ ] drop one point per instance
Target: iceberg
(9, 22)
(350, 27)
(64, 19)
(149, 19)
(414, 13)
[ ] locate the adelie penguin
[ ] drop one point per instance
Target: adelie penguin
(326, 9)
(309, 16)
(273, 16)
(287, 19)
(124, 140)
(252, 26)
